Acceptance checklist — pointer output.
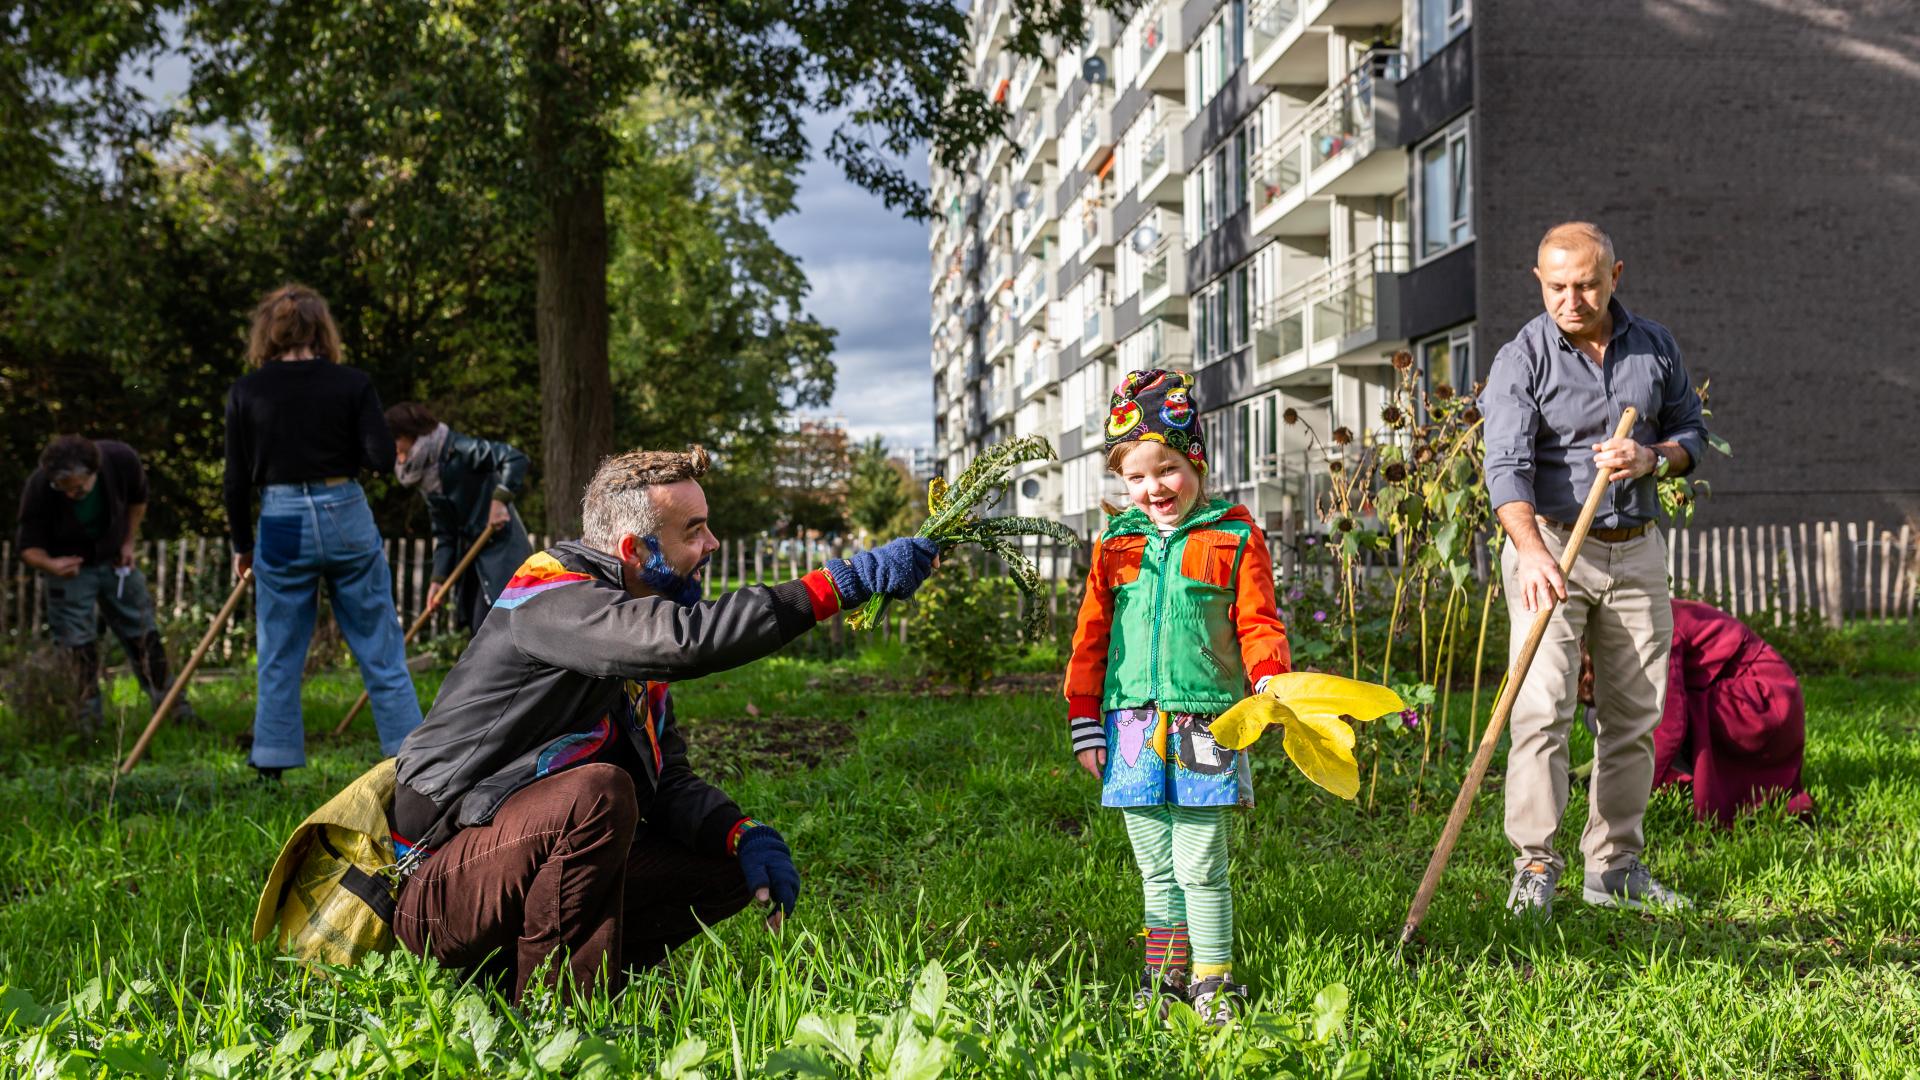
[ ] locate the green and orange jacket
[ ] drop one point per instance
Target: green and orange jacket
(1183, 623)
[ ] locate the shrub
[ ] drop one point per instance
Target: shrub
(1805, 641)
(965, 625)
(39, 688)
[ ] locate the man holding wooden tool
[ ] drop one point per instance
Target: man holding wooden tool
(1553, 396)
(470, 485)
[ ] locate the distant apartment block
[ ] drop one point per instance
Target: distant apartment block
(1280, 194)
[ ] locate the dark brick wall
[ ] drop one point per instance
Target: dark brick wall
(1758, 166)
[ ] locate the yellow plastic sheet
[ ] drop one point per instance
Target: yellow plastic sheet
(1309, 707)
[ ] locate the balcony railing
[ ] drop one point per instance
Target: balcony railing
(1336, 303)
(1339, 120)
(1159, 157)
(1024, 77)
(1093, 331)
(1030, 295)
(1344, 114)
(1153, 35)
(1161, 278)
(1270, 20)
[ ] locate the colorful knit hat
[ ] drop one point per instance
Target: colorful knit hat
(1158, 406)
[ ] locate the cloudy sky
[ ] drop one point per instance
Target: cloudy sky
(868, 268)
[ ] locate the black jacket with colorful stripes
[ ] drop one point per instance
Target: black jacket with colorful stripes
(567, 664)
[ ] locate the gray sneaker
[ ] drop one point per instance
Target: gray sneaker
(1219, 1000)
(1158, 990)
(1631, 886)
(1532, 894)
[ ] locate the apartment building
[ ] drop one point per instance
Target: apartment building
(1280, 194)
(1228, 188)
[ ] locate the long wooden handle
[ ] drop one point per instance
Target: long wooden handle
(180, 681)
(433, 604)
(1483, 756)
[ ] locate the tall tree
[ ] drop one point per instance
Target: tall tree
(876, 488)
(491, 126)
(524, 97)
(710, 340)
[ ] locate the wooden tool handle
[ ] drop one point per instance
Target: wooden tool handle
(180, 681)
(433, 604)
(1483, 756)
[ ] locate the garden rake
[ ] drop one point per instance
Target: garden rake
(180, 681)
(433, 605)
(1463, 803)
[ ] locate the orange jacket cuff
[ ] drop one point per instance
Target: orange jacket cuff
(820, 591)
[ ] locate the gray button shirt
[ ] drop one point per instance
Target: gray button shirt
(1546, 405)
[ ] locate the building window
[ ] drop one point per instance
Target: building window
(1448, 358)
(1440, 22)
(1443, 191)
(1213, 434)
(1216, 51)
(1242, 282)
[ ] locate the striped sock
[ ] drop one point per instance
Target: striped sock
(1167, 948)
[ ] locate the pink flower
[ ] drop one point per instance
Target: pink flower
(1410, 718)
(1319, 616)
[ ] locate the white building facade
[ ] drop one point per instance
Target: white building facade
(1273, 194)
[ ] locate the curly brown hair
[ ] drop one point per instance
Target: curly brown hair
(292, 318)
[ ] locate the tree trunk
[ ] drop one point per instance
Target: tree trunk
(576, 391)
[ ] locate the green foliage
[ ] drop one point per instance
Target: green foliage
(1808, 645)
(876, 490)
(963, 625)
(1679, 495)
(952, 520)
(710, 341)
(464, 184)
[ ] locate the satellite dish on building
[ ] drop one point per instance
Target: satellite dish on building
(1030, 488)
(1023, 198)
(1094, 70)
(1144, 238)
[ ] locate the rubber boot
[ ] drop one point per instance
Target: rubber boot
(89, 708)
(149, 659)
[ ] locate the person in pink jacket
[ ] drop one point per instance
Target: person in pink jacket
(1734, 726)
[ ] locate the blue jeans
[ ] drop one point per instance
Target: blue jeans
(309, 534)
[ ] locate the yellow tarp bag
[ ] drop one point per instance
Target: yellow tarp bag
(328, 895)
(1309, 708)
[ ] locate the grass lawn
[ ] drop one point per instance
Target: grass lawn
(967, 903)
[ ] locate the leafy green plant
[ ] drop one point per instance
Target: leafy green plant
(1680, 494)
(1408, 492)
(963, 626)
(952, 520)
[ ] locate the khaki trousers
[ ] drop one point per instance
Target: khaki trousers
(1617, 599)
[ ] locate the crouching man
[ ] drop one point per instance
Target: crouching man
(548, 789)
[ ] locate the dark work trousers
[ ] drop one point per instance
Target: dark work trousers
(565, 866)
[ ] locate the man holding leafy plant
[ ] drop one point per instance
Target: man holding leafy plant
(1552, 398)
(545, 811)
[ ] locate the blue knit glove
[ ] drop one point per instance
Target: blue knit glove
(768, 864)
(895, 568)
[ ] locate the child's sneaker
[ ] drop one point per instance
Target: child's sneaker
(1218, 1000)
(1158, 990)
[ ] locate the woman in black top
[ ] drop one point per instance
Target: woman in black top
(300, 429)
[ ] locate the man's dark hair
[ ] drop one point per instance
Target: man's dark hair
(70, 453)
(410, 420)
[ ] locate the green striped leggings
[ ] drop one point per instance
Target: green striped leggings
(1182, 853)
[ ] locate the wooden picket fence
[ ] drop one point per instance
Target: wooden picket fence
(1839, 570)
